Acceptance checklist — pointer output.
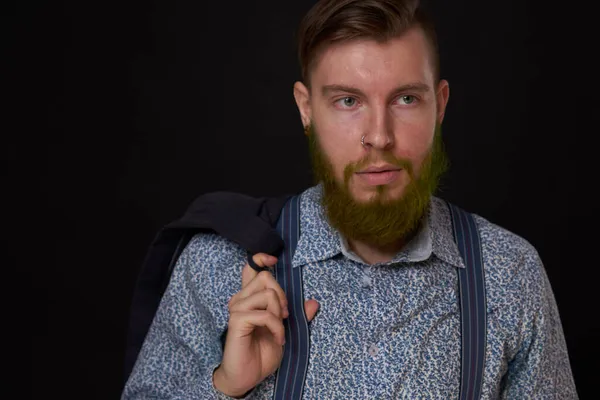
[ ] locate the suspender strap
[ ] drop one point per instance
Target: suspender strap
(292, 370)
(291, 374)
(472, 303)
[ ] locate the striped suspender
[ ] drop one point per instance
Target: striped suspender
(472, 303)
(292, 370)
(291, 374)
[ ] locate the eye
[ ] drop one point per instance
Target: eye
(347, 101)
(408, 99)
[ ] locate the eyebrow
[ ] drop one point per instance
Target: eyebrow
(412, 87)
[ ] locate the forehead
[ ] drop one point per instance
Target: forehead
(367, 64)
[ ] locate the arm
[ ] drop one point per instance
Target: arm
(540, 369)
(183, 347)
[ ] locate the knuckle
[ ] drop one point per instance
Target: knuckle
(272, 294)
(270, 317)
(280, 291)
(267, 315)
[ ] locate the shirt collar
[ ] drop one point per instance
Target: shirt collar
(319, 241)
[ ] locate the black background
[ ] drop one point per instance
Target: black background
(117, 114)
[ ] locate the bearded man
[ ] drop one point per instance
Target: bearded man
(377, 258)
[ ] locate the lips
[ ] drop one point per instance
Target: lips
(380, 175)
(384, 168)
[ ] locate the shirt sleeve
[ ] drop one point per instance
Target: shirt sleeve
(183, 345)
(541, 368)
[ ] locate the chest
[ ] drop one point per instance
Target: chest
(382, 329)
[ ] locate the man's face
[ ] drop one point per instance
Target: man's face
(386, 92)
(378, 192)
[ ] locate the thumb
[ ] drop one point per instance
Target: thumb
(310, 309)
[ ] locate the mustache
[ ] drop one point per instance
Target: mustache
(371, 159)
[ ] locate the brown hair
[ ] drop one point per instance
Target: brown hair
(334, 21)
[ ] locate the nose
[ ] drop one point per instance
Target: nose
(379, 133)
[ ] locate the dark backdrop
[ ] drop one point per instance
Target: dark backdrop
(117, 114)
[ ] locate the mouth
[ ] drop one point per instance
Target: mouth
(377, 176)
(383, 168)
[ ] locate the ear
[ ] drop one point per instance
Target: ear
(442, 94)
(302, 96)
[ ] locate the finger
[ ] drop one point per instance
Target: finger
(310, 309)
(263, 280)
(266, 299)
(244, 323)
(262, 260)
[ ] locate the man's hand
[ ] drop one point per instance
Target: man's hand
(255, 334)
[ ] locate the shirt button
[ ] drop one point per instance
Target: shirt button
(366, 281)
(373, 350)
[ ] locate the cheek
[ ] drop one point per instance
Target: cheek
(340, 140)
(338, 151)
(413, 144)
(413, 141)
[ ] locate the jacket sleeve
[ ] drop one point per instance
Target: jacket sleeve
(540, 369)
(183, 346)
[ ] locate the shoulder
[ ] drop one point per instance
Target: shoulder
(210, 268)
(514, 271)
(212, 257)
(518, 291)
(502, 245)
